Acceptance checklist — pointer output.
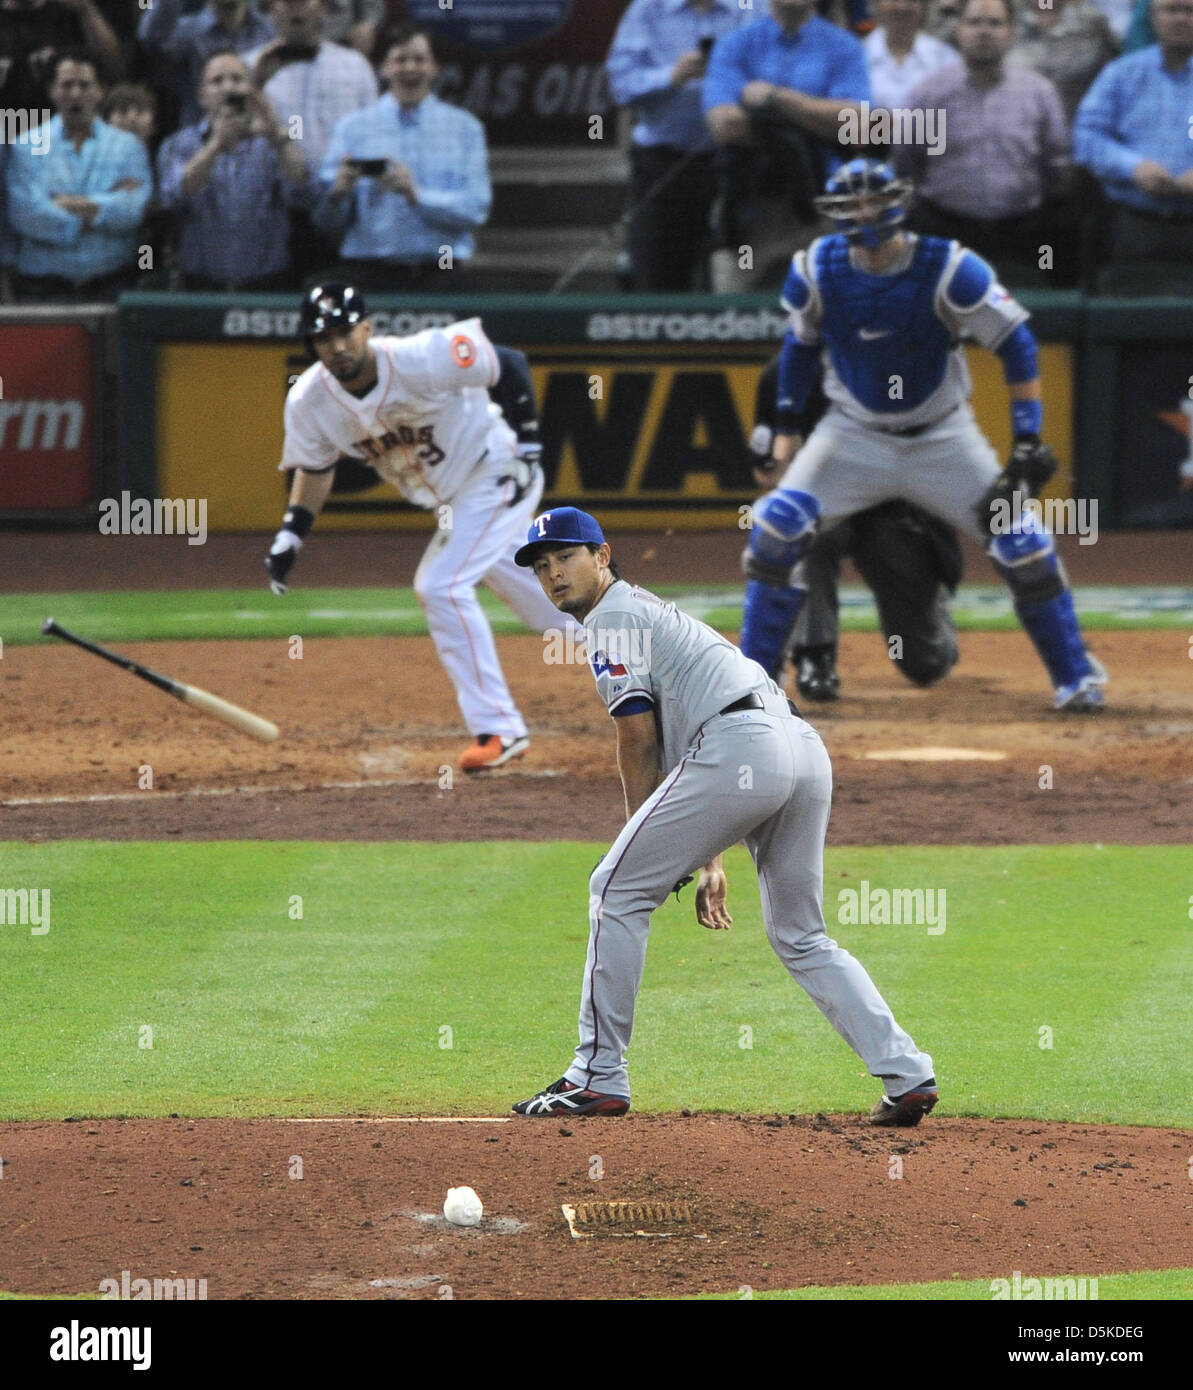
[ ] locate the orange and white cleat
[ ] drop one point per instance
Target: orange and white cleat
(491, 751)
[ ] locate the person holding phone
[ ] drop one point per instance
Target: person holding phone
(230, 180)
(311, 83)
(180, 44)
(405, 181)
(656, 66)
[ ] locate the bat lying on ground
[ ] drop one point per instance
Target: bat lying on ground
(251, 724)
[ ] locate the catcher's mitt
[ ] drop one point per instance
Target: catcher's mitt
(1029, 469)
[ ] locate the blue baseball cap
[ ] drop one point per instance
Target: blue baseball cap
(563, 526)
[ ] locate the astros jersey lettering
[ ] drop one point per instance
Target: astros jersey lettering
(642, 648)
(426, 424)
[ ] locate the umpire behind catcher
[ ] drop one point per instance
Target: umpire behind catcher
(710, 752)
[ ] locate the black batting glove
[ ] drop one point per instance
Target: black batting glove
(523, 470)
(287, 543)
(280, 560)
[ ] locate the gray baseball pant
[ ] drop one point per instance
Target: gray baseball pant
(762, 776)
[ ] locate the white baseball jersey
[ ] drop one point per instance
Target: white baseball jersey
(640, 647)
(425, 426)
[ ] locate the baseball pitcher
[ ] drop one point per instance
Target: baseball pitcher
(710, 752)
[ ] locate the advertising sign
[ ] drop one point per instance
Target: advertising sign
(532, 70)
(46, 417)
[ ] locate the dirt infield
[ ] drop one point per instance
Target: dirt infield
(783, 1201)
(371, 734)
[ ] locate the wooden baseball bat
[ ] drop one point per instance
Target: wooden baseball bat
(251, 724)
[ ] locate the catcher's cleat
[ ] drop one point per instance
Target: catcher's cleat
(1086, 696)
(564, 1097)
(816, 676)
(490, 751)
(909, 1108)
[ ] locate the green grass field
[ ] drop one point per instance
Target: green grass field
(344, 1011)
(1112, 1288)
(440, 978)
(224, 613)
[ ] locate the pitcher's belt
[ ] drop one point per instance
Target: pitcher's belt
(753, 701)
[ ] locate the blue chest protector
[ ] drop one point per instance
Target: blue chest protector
(876, 327)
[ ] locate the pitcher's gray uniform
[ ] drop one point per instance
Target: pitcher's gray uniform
(733, 773)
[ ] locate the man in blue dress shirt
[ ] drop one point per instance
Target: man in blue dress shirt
(406, 180)
(774, 95)
(76, 195)
(1132, 133)
(657, 65)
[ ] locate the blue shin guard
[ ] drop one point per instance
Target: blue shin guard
(1027, 560)
(783, 521)
(768, 621)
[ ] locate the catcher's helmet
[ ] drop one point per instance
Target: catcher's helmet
(330, 306)
(865, 185)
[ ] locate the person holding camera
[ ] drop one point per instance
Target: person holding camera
(656, 66)
(405, 181)
(311, 83)
(181, 44)
(230, 180)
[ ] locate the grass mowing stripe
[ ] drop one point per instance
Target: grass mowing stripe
(174, 615)
(1112, 1288)
(444, 978)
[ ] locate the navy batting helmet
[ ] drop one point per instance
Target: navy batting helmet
(330, 306)
(865, 200)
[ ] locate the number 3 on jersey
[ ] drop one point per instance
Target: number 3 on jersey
(429, 453)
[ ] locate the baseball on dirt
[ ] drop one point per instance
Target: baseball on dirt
(463, 1207)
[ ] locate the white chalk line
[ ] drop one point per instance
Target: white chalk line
(387, 1120)
(196, 792)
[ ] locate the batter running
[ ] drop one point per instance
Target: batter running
(418, 409)
(710, 752)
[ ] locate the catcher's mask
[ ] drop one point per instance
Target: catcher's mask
(330, 306)
(865, 200)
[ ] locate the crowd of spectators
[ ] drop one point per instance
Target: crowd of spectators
(227, 145)
(258, 144)
(1057, 145)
